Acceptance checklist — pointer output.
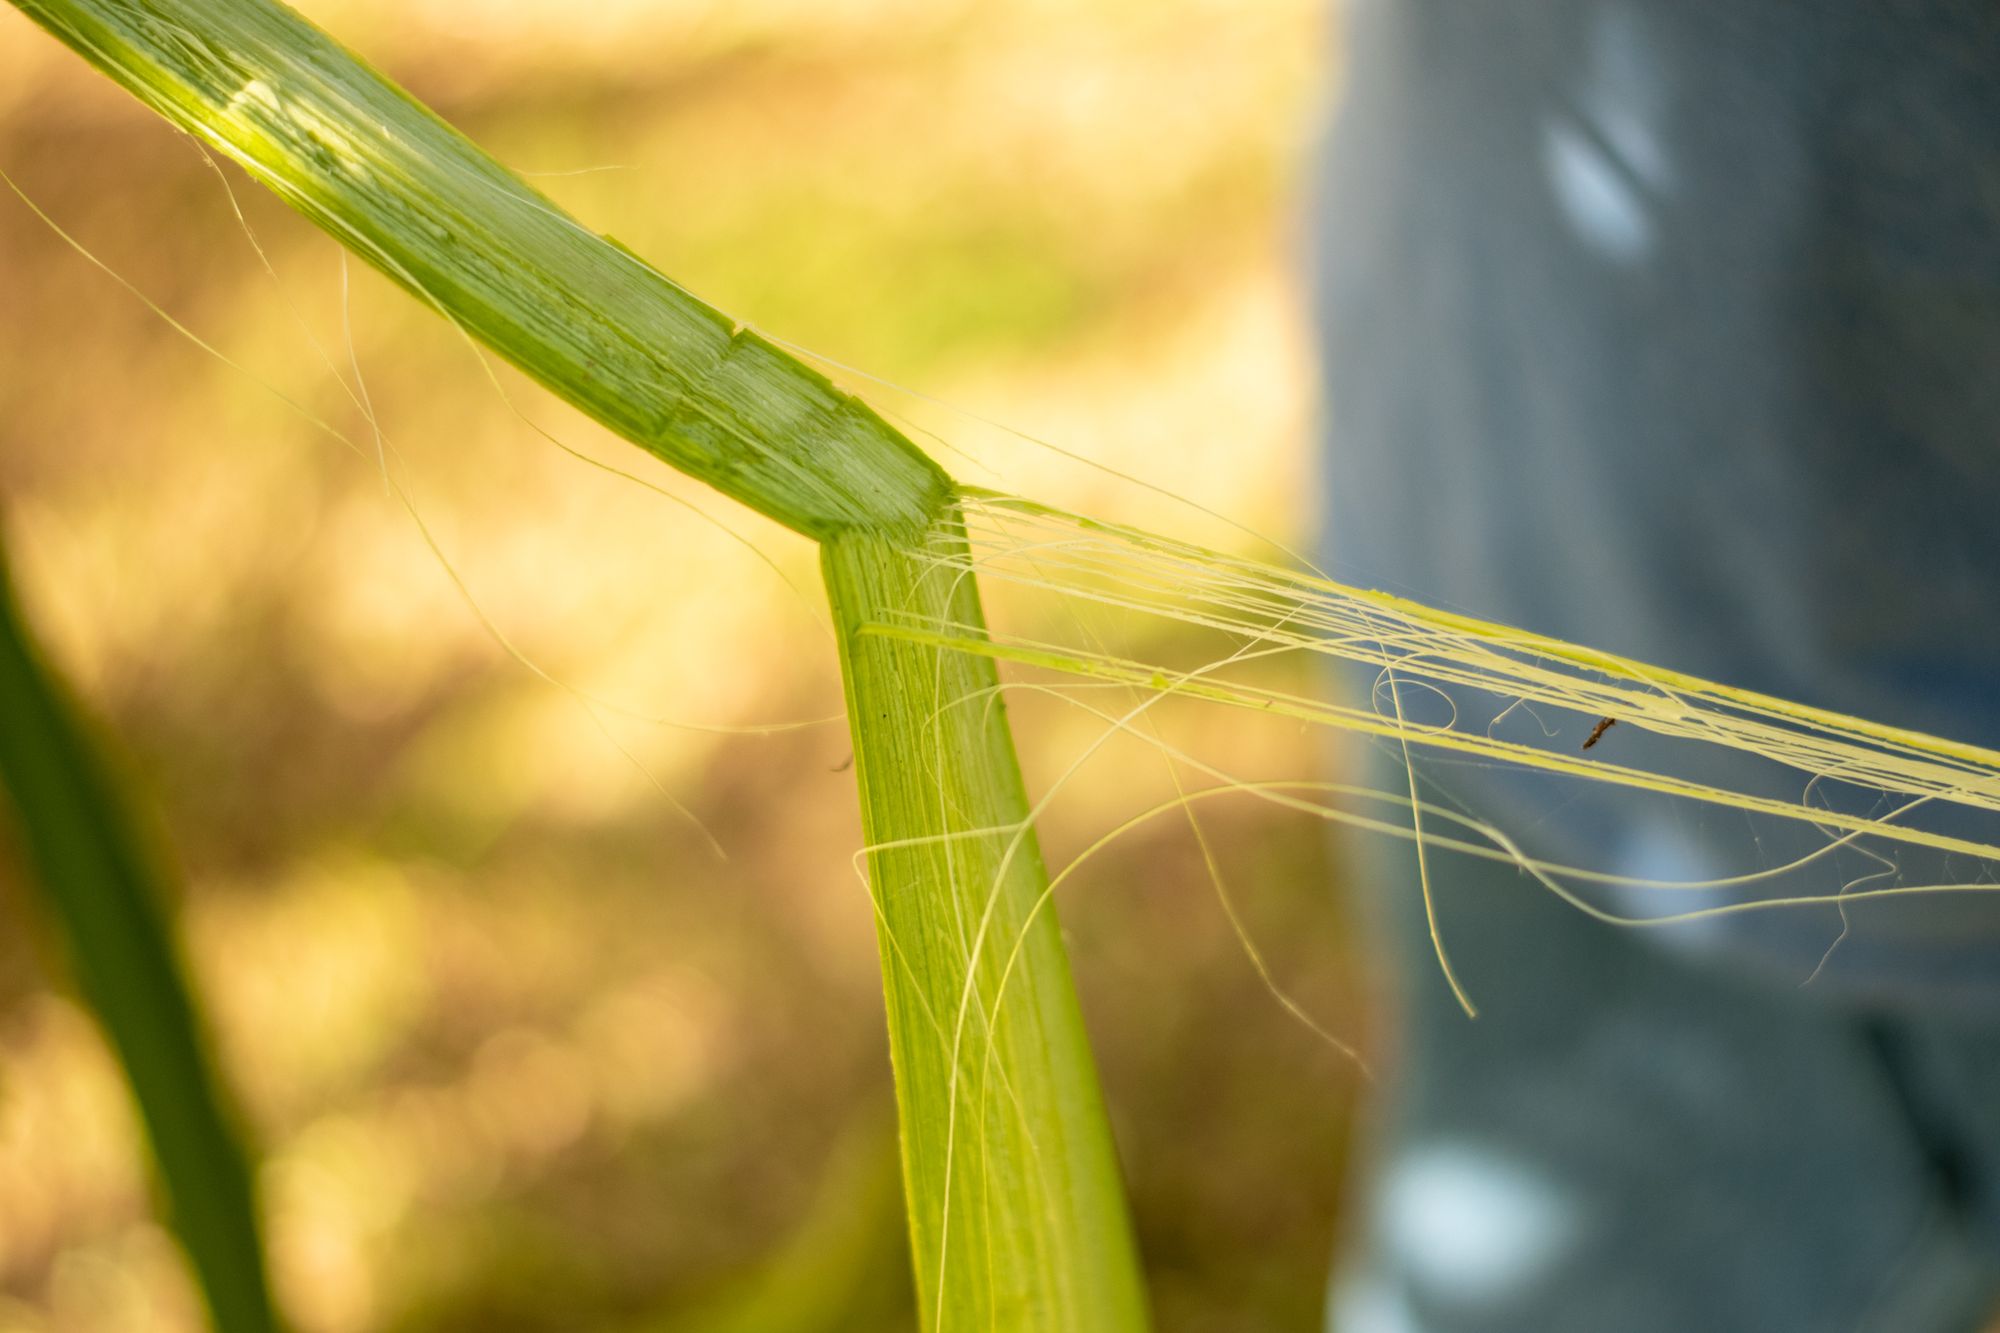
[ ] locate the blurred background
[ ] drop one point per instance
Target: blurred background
(547, 1019)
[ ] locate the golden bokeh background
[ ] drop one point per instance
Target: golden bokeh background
(553, 1019)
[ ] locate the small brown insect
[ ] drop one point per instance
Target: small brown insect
(1604, 724)
(844, 764)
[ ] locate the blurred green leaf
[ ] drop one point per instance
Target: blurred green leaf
(102, 889)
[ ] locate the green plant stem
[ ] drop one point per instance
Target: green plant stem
(586, 317)
(105, 895)
(1017, 1216)
(1016, 1212)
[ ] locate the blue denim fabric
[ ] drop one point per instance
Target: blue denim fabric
(1628, 1140)
(1673, 327)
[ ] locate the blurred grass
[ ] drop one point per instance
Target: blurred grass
(527, 1056)
(104, 896)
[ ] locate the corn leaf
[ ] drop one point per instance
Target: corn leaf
(1017, 1217)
